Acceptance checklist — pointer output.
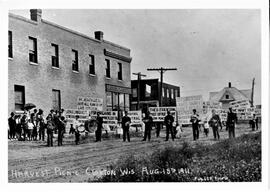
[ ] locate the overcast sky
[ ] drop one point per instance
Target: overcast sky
(208, 47)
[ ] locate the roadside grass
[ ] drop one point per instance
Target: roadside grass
(230, 160)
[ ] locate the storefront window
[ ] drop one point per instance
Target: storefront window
(115, 101)
(127, 102)
(121, 101)
(109, 100)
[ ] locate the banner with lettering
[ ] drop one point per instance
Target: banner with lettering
(109, 117)
(158, 113)
(135, 116)
(90, 103)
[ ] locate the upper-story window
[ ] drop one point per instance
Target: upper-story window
(33, 50)
(227, 96)
(92, 64)
(163, 92)
(172, 94)
(55, 56)
(10, 51)
(75, 63)
(108, 66)
(120, 77)
(168, 93)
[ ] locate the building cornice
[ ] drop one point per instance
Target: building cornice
(117, 56)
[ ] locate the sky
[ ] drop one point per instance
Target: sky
(209, 47)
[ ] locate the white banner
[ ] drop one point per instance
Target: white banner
(72, 113)
(90, 103)
(109, 117)
(135, 116)
(158, 113)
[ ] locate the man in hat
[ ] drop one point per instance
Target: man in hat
(125, 126)
(215, 122)
(148, 120)
(230, 123)
(12, 125)
(50, 129)
(194, 119)
(168, 121)
(98, 132)
(76, 124)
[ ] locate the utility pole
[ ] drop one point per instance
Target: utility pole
(162, 71)
(139, 75)
(252, 92)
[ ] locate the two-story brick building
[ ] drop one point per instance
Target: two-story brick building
(150, 94)
(51, 66)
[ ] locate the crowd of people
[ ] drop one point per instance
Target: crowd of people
(32, 125)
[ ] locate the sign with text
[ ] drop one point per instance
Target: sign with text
(90, 103)
(158, 113)
(135, 116)
(109, 117)
(72, 113)
(185, 106)
(240, 104)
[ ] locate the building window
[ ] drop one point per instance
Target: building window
(75, 63)
(168, 93)
(172, 94)
(120, 71)
(121, 101)
(163, 92)
(109, 100)
(227, 96)
(33, 50)
(175, 93)
(115, 101)
(10, 51)
(126, 102)
(108, 65)
(19, 97)
(134, 92)
(55, 56)
(92, 64)
(56, 100)
(147, 90)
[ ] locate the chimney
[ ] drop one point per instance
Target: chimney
(230, 84)
(99, 35)
(35, 15)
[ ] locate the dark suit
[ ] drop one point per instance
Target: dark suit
(169, 126)
(99, 128)
(231, 120)
(125, 127)
(148, 120)
(195, 126)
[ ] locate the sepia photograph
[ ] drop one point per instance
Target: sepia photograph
(134, 95)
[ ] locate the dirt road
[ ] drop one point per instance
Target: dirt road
(32, 161)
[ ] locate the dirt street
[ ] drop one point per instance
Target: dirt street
(32, 161)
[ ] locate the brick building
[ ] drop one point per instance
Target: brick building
(149, 94)
(51, 66)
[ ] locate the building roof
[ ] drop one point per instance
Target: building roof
(234, 93)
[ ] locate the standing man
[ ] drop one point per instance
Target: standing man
(148, 120)
(214, 122)
(194, 119)
(98, 132)
(169, 125)
(231, 121)
(76, 124)
(50, 128)
(61, 127)
(12, 125)
(41, 124)
(125, 126)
